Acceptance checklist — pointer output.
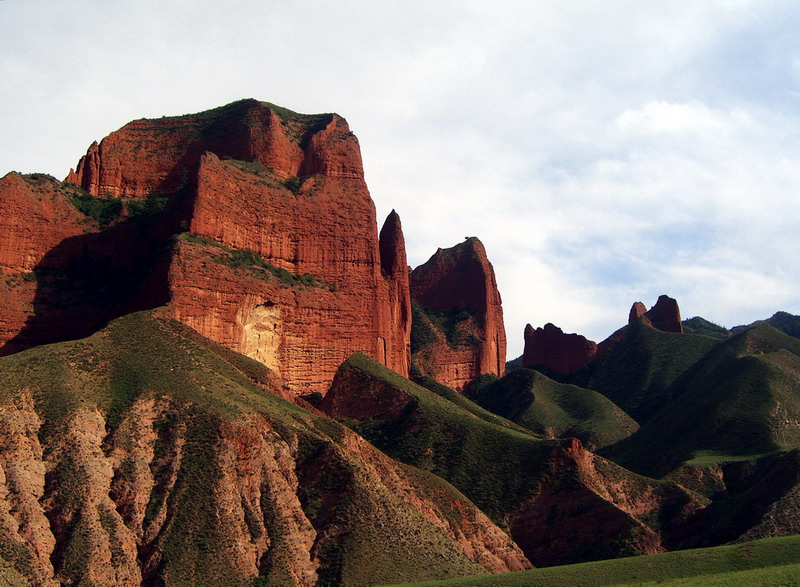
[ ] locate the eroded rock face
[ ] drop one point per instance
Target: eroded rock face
(394, 267)
(162, 155)
(638, 309)
(550, 347)
(665, 315)
(276, 194)
(208, 479)
(457, 291)
(326, 235)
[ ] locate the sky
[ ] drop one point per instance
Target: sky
(604, 151)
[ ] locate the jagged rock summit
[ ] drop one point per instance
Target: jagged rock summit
(252, 222)
(559, 352)
(665, 315)
(459, 315)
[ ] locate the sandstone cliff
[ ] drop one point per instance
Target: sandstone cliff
(551, 348)
(459, 316)
(278, 196)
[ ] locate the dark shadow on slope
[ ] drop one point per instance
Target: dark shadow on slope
(88, 280)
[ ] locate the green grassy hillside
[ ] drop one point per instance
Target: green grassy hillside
(168, 462)
(772, 561)
(556, 410)
(560, 502)
(739, 400)
(640, 366)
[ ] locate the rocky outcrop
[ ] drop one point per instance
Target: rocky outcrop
(460, 315)
(162, 155)
(665, 315)
(277, 198)
(309, 292)
(637, 311)
(394, 268)
(551, 348)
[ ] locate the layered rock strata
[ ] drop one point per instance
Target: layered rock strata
(551, 348)
(460, 312)
(269, 192)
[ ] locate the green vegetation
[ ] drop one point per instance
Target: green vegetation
(104, 211)
(554, 409)
(698, 325)
(453, 324)
(146, 211)
(255, 264)
(639, 370)
(773, 561)
(724, 407)
(496, 464)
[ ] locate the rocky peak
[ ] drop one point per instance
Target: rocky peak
(551, 348)
(459, 285)
(637, 311)
(162, 155)
(394, 268)
(665, 315)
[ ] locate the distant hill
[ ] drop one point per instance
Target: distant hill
(739, 400)
(639, 366)
(556, 410)
(783, 321)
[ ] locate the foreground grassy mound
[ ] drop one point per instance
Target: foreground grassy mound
(556, 410)
(559, 501)
(772, 561)
(147, 454)
(640, 365)
(740, 400)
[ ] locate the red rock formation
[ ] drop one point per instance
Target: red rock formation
(162, 155)
(326, 230)
(248, 177)
(637, 311)
(394, 267)
(665, 315)
(35, 216)
(550, 347)
(461, 279)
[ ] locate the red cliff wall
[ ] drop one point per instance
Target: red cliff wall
(246, 176)
(454, 279)
(550, 347)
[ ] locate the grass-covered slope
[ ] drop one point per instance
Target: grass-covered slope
(772, 561)
(556, 410)
(639, 365)
(741, 400)
(146, 453)
(559, 501)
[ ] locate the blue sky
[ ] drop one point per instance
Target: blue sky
(604, 152)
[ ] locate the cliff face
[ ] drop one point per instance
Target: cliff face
(161, 155)
(394, 267)
(550, 347)
(459, 314)
(267, 190)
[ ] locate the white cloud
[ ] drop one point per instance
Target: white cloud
(604, 152)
